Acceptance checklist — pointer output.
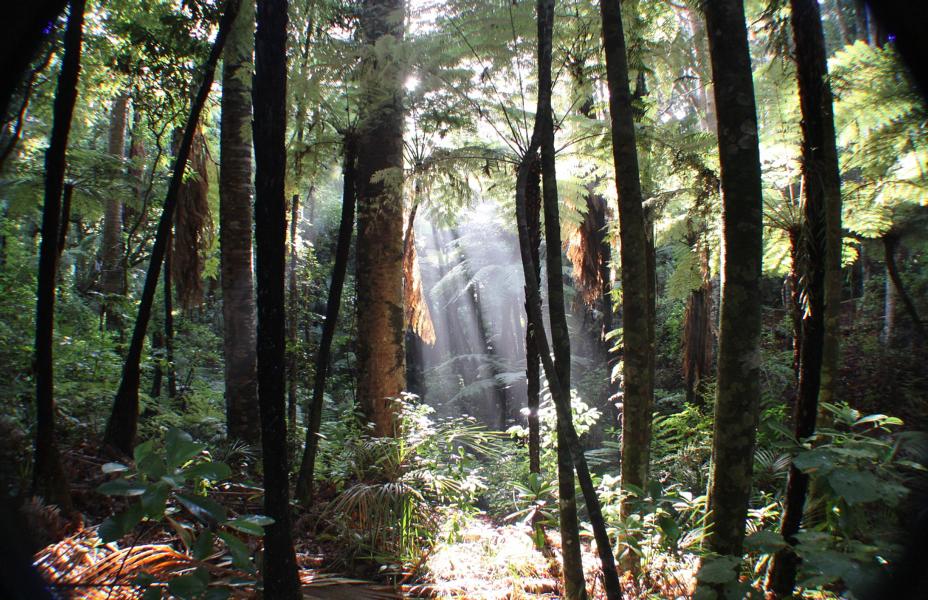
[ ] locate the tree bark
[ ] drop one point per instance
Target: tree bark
(637, 402)
(235, 221)
(270, 125)
(890, 242)
(292, 318)
(822, 256)
(113, 275)
(304, 484)
(168, 289)
(382, 355)
(123, 421)
(532, 366)
(48, 477)
(738, 394)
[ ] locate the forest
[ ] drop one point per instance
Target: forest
(463, 299)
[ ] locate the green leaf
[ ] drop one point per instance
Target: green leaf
(764, 541)
(204, 509)
(241, 554)
(179, 447)
(719, 569)
(152, 593)
(217, 593)
(204, 545)
(855, 487)
(814, 461)
(187, 586)
(114, 467)
(120, 524)
(251, 524)
(149, 462)
(122, 487)
(155, 499)
(213, 471)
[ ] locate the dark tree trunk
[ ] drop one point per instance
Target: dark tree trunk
(24, 26)
(304, 484)
(235, 219)
(112, 273)
(382, 357)
(292, 318)
(890, 242)
(738, 394)
(532, 366)
(270, 125)
(48, 476)
(123, 421)
(636, 285)
(574, 582)
(65, 220)
(822, 272)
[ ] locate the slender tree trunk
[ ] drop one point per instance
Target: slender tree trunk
(123, 421)
(235, 220)
(48, 476)
(270, 125)
(292, 314)
(636, 314)
(304, 484)
(890, 242)
(532, 366)
(169, 317)
(382, 356)
(574, 582)
(738, 395)
(113, 275)
(822, 193)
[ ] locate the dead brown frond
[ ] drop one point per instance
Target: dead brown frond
(585, 251)
(418, 317)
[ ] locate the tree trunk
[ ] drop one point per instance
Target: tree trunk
(304, 484)
(822, 193)
(270, 125)
(738, 395)
(168, 290)
(532, 366)
(48, 476)
(235, 216)
(890, 241)
(637, 401)
(574, 582)
(123, 421)
(292, 317)
(113, 275)
(382, 356)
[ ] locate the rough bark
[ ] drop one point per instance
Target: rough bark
(112, 272)
(235, 220)
(890, 242)
(738, 394)
(382, 356)
(168, 291)
(636, 402)
(304, 484)
(48, 476)
(123, 421)
(293, 304)
(822, 193)
(532, 366)
(270, 124)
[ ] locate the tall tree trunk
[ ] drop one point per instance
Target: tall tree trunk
(113, 275)
(48, 477)
(532, 366)
(235, 217)
(890, 242)
(738, 395)
(270, 125)
(292, 318)
(822, 193)
(637, 401)
(123, 421)
(382, 356)
(304, 484)
(168, 290)
(574, 582)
